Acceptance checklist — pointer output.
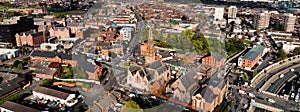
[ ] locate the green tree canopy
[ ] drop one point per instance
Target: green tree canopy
(296, 51)
(281, 55)
(131, 106)
(245, 77)
(16, 63)
(20, 66)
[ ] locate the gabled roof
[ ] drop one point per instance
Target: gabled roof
(48, 54)
(74, 24)
(216, 81)
(32, 33)
(155, 65)
(17, 107)
(58, 28)
(188, 79)
(52, 92)
(208, 95)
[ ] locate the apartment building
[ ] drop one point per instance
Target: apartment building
(289, 21)
(261, 20)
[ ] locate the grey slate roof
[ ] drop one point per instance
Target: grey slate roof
(208, 95)
(84, 64)
(188, 79)
(216, 81)
(217, 56)
(74, 24)
(48, 54)
(17, 107)
(51, 92)
(58, 28)
(155, 65)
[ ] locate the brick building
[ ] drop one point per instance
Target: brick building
(52, 57)
(251, 58)
(30, 38)
(45, 70)
(214, 59)
(93, 71)
(211, 95)
(60, 32)
(9, 28)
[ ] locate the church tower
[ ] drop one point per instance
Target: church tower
(150, 56)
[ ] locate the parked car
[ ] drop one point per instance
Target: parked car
(293, 95)
(271, 100)
(251, 95)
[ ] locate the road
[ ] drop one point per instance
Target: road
(265, 63)
(133, 44)
(277, 84)
(281, 103)
(272, 71)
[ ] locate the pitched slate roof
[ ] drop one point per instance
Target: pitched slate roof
(17, 107)
(84, 64)
(188, 79)
(58, 28)
(74, 24)
(52, 92)
(48, 54)
(254, 52)
(208, 95)
(216, 81)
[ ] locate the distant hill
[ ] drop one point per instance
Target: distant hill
(184, 1)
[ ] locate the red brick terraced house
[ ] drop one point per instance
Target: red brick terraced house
(31, 38)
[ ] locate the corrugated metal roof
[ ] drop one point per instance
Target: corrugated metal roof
(254, 52)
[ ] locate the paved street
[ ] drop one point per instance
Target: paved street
(280, 82)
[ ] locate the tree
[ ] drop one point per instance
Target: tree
(245, 77)
(131, 106)
(254, 73)
(48, 47)
(16, 63)
(20, 66)
(281, 55)
(296, 51)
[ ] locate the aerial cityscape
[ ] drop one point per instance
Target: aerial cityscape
(149, 55)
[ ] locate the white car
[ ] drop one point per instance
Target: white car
(251, 95)
(271, 100)
(281, 76)
(292, 95)
(154, 97)
(292, 69)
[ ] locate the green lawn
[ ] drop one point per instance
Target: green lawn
(63, 14)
